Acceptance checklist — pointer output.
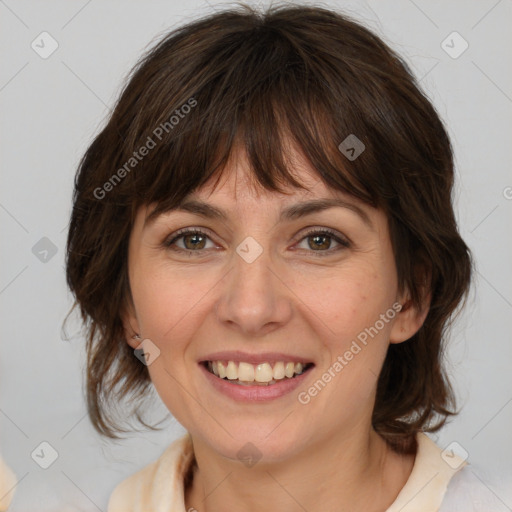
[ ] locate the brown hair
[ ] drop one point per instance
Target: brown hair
(253, 78)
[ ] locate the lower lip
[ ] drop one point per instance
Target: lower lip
(256, 393)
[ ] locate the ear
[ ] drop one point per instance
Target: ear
(130, 324)
(410, 318)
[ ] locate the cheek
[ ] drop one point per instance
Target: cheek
(168, 301)
(356, 308)
(348, 301)
(169, 306)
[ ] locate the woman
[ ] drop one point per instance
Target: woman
(264, 232)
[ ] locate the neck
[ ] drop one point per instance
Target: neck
(356, 472)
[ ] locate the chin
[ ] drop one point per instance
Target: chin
(262, 443)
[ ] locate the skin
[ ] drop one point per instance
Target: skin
(324, 455)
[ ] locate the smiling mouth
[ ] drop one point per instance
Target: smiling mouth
(264, 374)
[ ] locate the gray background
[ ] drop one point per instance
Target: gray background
(51, 108)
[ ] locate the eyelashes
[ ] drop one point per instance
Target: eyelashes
(323, 234)
(319, 236)
(182, 233)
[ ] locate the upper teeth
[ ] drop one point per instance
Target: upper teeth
(254, 372)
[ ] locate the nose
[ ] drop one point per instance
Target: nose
(254, 298)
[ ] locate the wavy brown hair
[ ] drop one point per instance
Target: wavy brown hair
(254, 78)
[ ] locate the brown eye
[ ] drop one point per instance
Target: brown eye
(194, 240)
(320, 241)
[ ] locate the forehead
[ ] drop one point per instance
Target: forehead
(237, 186)
(236, 193)
(241, 176)
(238, 183)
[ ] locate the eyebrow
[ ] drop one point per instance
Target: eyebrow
(292, 212)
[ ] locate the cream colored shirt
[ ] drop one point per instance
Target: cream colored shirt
(159, 487)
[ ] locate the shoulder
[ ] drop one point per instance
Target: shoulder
(442, 481)
(430, 476)
(471, 490)
(7, 484)
(155, 484)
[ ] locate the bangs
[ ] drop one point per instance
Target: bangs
(259, 93)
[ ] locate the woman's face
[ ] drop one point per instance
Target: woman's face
(270, 284)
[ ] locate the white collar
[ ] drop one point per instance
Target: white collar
(427, 483)
(159, 486)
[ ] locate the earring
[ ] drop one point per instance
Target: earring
(136, 336)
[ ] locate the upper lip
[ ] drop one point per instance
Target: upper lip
(263, 357)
